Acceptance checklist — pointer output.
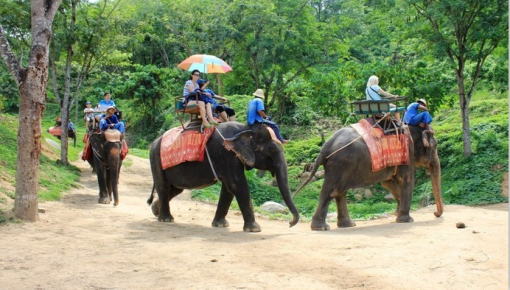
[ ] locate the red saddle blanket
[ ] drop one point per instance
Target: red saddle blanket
(178, 146)
(87, 150)
(55, 130)
(385, 150)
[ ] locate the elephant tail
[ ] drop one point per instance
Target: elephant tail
(151, 198)
(318, 162)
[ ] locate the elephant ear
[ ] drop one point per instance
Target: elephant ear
(96, 142)
(243, 145)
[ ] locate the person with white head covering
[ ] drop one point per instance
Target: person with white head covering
(374, 92)
(256, 114)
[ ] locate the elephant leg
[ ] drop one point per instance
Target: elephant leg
(392, 186)
(109, 188)
(224, 202)
(401, 186)
(343, 218)
(319, 218)
(101, 180)
(165, 195)
(164, 202)
(242, 194)
(155, 207)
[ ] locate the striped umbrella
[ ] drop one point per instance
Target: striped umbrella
(205, 63)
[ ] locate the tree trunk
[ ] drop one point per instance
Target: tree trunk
(64, 106)
(464, 108)
(33, 97)
(220, 85)
(32, 82)
(466, 134)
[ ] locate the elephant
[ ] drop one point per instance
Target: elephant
(106, 161)
(351, 167)
(57, 130)
(232, 148)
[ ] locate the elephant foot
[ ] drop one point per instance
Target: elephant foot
(220, 223)
(155, 207)
(405, 219)
(166, 218)
(348, 223)
(104, 200)
(252, 227)
(319, 226)
(116, 203)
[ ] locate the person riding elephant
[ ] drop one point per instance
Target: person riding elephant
(231, 149)
(110, 121)
(414, 117)
(347, 164)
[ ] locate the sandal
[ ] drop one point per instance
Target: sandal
(214, 123)
(207, 126)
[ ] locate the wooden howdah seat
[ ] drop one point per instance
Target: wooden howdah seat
(377, 109)
(193, 111)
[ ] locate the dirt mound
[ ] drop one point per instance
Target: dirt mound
(80, 244)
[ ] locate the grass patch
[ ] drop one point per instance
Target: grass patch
(54, 178)
(143, 153)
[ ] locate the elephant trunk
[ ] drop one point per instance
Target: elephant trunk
(435, 177)
(114, 163)
(283, 185)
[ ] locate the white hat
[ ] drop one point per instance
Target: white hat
(111, 107)
(422, 101)
(259, 93)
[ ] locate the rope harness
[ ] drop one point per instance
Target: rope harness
(209, 156)
(406, 129)
(99, 157)
(360, 136)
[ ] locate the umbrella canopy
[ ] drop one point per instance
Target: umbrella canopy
(205, 63)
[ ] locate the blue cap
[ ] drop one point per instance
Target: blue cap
(200, 82)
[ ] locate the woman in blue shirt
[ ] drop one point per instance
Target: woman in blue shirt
(192, 96)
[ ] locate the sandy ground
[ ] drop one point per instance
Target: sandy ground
(80, 244)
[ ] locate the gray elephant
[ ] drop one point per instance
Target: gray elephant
(351, 167)
(106, 161)
(232, 148)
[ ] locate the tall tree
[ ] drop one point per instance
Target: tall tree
(32, 81)
(80, 42)
(465, 32)
(277, 42)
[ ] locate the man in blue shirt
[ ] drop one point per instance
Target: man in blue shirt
(105, 104)
(413, 116)
(256, 114)
(110, 121)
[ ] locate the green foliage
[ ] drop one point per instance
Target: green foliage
(209, 194)
(261, 190)
(303, 151)
(475, 180)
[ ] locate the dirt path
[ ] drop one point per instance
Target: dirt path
(80, 244)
